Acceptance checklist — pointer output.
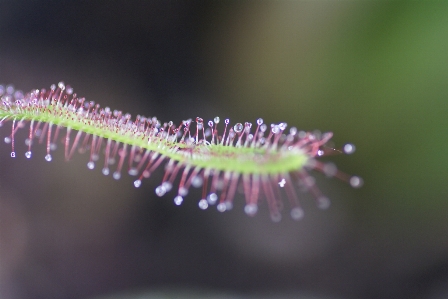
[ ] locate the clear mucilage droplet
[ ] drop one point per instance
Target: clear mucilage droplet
(203, 204)
(178, 200)
(238, 128)
(137, 183)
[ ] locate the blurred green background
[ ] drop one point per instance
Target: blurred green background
(372, 72)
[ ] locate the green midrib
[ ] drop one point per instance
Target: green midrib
(242, 160)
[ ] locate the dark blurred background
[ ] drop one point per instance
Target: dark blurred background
(374, 73)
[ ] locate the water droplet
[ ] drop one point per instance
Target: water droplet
(178, 200)
(238, 128)
(309, 181)
(260, 121)
(13, 154)
(105, 171)
(320, 152)
(48, 157)
(7, 140)
(203, 204)
(221, 207)
(210, 123)
(61, 85)
(349, 148)
(356, 181)
(251, 209)
(330, 169)
(276, 216)
(212, 198)
(53, 146)
(293, 131)
(196, 182)
(226, 121)
(10, 89)
(263, 128)
(69, 89)
(282, 183)
(282, 126)
(216, 120)
(323, 203)
(137, 183)
(297, 213)
(183, 191)
(275, 129)
(160, 190)
(28, 154)
(90, 165)
(116, 175)
(167, 186)
(133, 171)
(302, 134)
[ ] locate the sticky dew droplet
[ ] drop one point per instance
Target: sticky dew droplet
(282, 126)
(330, 169)
(297, 213)
(137, 183)
(221, 207)
(196, 182)
(133, 171)
(238, 128)
(28, 154)
(251, 209)
(356, 181)
(178, 200)
(203, 204)
(323, 202)
(282, 183)
(160, 191)
(105, 171)
(276, 216)
(90, 165)
(13, 154)
(212, 198)
(48, 157)
(167, 186)
(116, 175)
(349, 148)
(183, 191)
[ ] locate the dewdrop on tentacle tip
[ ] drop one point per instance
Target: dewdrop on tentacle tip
(263, 162)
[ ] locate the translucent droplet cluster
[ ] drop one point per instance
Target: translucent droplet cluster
(265, 163)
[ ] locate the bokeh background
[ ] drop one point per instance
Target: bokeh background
(373, 72)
